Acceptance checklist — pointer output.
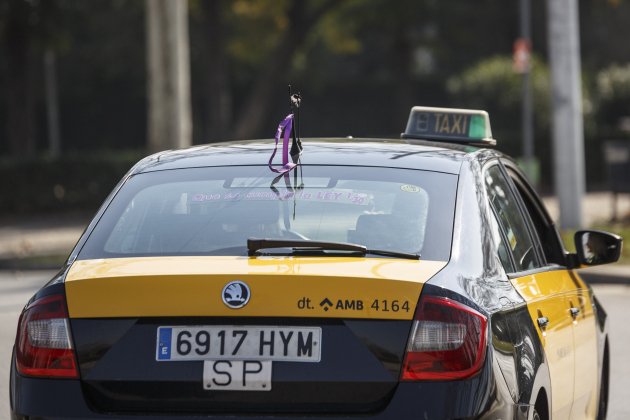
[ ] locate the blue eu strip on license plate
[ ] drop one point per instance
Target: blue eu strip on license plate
(164, 343)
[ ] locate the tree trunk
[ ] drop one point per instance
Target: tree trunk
(275, 73)
(19, 78)
(52, 103)
(402, 61)
(216, 83)
(168, 67)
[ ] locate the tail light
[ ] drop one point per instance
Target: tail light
(448, 341)
(43, 345)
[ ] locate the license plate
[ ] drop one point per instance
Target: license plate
(239, 342)
(237, 375)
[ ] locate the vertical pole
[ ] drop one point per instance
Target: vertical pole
(52, 103)
(168, 68)
(527, 116)
(568, 126)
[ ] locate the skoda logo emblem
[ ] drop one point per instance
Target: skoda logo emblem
(236, 294)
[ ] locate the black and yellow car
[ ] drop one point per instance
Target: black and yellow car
(418, 278)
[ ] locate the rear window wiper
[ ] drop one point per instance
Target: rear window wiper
(254, 246)
(395, 254)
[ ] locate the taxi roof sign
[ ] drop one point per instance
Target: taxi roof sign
(469, 126)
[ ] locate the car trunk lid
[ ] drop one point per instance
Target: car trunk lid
(359, 310)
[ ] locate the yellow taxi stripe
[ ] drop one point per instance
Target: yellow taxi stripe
(375, 288)
(549, 294)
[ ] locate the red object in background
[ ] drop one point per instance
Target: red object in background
(522, 55)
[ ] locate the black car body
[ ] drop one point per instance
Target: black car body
(487, 318)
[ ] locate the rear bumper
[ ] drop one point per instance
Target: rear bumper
(479, 397)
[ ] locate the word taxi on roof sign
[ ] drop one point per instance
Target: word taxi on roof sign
(468, 126)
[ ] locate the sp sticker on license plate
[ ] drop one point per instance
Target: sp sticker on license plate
(237, 375)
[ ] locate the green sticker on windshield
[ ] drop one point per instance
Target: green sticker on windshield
(410, 188)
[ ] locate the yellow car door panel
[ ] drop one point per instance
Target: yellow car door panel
(548, 295)
(585, 343)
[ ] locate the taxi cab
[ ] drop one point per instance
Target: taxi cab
(413, 278)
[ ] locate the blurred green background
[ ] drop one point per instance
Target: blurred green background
(359, 64)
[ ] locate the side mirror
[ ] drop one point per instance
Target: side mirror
(595, 247)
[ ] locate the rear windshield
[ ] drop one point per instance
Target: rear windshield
(213, 211)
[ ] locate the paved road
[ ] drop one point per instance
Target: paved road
(615, 299)
(16, 288)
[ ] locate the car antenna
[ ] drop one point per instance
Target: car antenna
(295, 100)
(296, 146)
(287, 129)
